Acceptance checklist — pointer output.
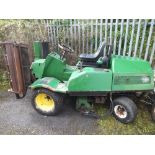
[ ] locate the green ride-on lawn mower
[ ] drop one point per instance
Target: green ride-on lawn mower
(97, 78)
(102, 77)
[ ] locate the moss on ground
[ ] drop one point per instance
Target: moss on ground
(142, 125)
(4, 82)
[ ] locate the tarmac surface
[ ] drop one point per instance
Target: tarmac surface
(17, 117)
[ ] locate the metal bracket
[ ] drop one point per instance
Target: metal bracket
(83, 104)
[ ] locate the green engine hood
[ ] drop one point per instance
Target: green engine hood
(129, 65)
(128, 74)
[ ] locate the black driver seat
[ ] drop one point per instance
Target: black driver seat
(95, 56)
(90, 60)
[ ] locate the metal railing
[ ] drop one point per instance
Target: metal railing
(132, 37)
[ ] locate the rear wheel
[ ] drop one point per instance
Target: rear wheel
(153, 112)
(47, 102)
(125, 110)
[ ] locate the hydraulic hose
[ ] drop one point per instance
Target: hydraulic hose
(110, 110)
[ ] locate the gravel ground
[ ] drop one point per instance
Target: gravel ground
(19, 117)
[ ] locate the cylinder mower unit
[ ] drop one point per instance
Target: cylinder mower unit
(18, 67)
(102, 77)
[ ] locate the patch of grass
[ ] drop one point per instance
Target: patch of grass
(4, 82)
(142, 125)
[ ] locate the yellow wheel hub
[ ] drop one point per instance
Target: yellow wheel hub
(44, 102)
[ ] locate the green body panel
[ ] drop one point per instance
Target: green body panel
(37, 47)
(128, 73)
(50, 83)
(68, 70)
(124, 74)
(52, 66)
(90, 79)
(37, 68)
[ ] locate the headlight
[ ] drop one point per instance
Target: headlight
(145, 79)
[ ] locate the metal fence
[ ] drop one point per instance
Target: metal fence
(132, 37)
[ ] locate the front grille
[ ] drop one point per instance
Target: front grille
(128, 80)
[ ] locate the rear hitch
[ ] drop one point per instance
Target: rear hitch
(153, 112)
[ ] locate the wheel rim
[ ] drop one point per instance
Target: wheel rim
(120, 111)
(44, 102)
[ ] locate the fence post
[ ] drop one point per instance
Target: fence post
(101, 24)
(115, 38)
(71, 33)
(120, 39)
(126, 36)
(106, 29)
(83, 27)
(143, 36)
(75, 45)
(64, 31)
(149, 39)
(79, 35)
(87, 26)
(132, 34)
(111, 24)
(91, 35)
(54, 32)
(67, 27)
(49, 36)
(57, 29)
(137, 37)
(153, 50)
(96, 34)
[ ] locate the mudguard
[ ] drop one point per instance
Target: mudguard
(50, 83)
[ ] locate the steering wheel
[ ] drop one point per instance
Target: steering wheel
(65, 49)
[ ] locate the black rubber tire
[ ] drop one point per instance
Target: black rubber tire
(58, 101)
(153, 112)
(130, 108)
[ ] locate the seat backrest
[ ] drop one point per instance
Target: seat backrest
(100, 50)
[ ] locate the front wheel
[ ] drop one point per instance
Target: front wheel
(47, 102)
(125, 110)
